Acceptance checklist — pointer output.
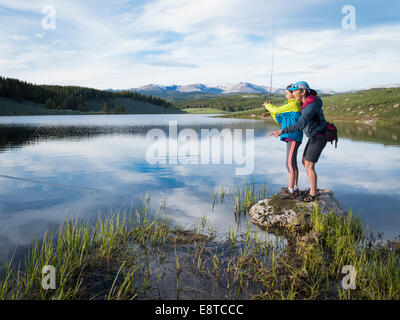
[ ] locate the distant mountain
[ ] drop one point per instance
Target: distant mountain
(242, 87)
(200, 88)
(228, 88)
(150, 88)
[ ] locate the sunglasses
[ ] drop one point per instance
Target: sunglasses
(292, 87)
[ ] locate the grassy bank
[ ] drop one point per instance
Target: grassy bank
(133, 255)
(377, 105)
(227, 102)
(258, 113)
(204, 111)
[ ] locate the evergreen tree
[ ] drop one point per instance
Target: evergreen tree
(49, 104)
(119, 110)
(106, 107)
(65, 97)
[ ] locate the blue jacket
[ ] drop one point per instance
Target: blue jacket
(312, 120)
(287, 119)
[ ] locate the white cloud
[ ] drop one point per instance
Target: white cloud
(211, 39)
(18, 37)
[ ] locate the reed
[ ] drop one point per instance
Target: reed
(79, 250)
(125, 251)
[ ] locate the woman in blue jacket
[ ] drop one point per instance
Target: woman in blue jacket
(287, 115)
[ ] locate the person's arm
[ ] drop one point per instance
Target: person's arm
(306, 115)
(288, 107)
(271, 108)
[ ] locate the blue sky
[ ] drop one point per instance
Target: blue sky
(123, 44)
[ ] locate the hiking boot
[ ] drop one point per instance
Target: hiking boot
(289, 195)
(284, 191)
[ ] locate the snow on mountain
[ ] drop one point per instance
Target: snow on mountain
(226, 88)
(151, 88)
(242, 87)
(199, 87)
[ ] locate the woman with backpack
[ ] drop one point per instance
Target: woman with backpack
(312, 121)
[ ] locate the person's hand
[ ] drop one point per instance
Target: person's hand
(276, 133)
(267, 102)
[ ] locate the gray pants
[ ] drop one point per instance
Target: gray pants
(291, 155)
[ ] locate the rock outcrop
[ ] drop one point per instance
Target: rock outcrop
(279, 212)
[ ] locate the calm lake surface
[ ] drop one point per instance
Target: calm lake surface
(50, 165)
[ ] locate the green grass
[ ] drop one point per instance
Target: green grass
(81, 251)
(129, 252)
(243, 195)
(364, 105)
(258, 113)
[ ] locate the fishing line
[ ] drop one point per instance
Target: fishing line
(53, 184)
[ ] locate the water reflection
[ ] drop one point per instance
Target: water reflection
(387, 135)
(61, 160)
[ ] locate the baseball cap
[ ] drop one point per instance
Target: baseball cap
(299, 85)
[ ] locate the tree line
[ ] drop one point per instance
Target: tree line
(66, 97)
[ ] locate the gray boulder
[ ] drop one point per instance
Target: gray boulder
(279, 212)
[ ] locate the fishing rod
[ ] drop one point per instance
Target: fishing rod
(272, 60)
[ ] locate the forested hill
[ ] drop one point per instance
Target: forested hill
(74, 98)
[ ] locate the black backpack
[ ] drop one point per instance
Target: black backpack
(331, 133)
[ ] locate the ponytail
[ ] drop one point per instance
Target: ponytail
(313, 92)
(310, 92)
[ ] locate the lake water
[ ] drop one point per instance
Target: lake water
(50, 165)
